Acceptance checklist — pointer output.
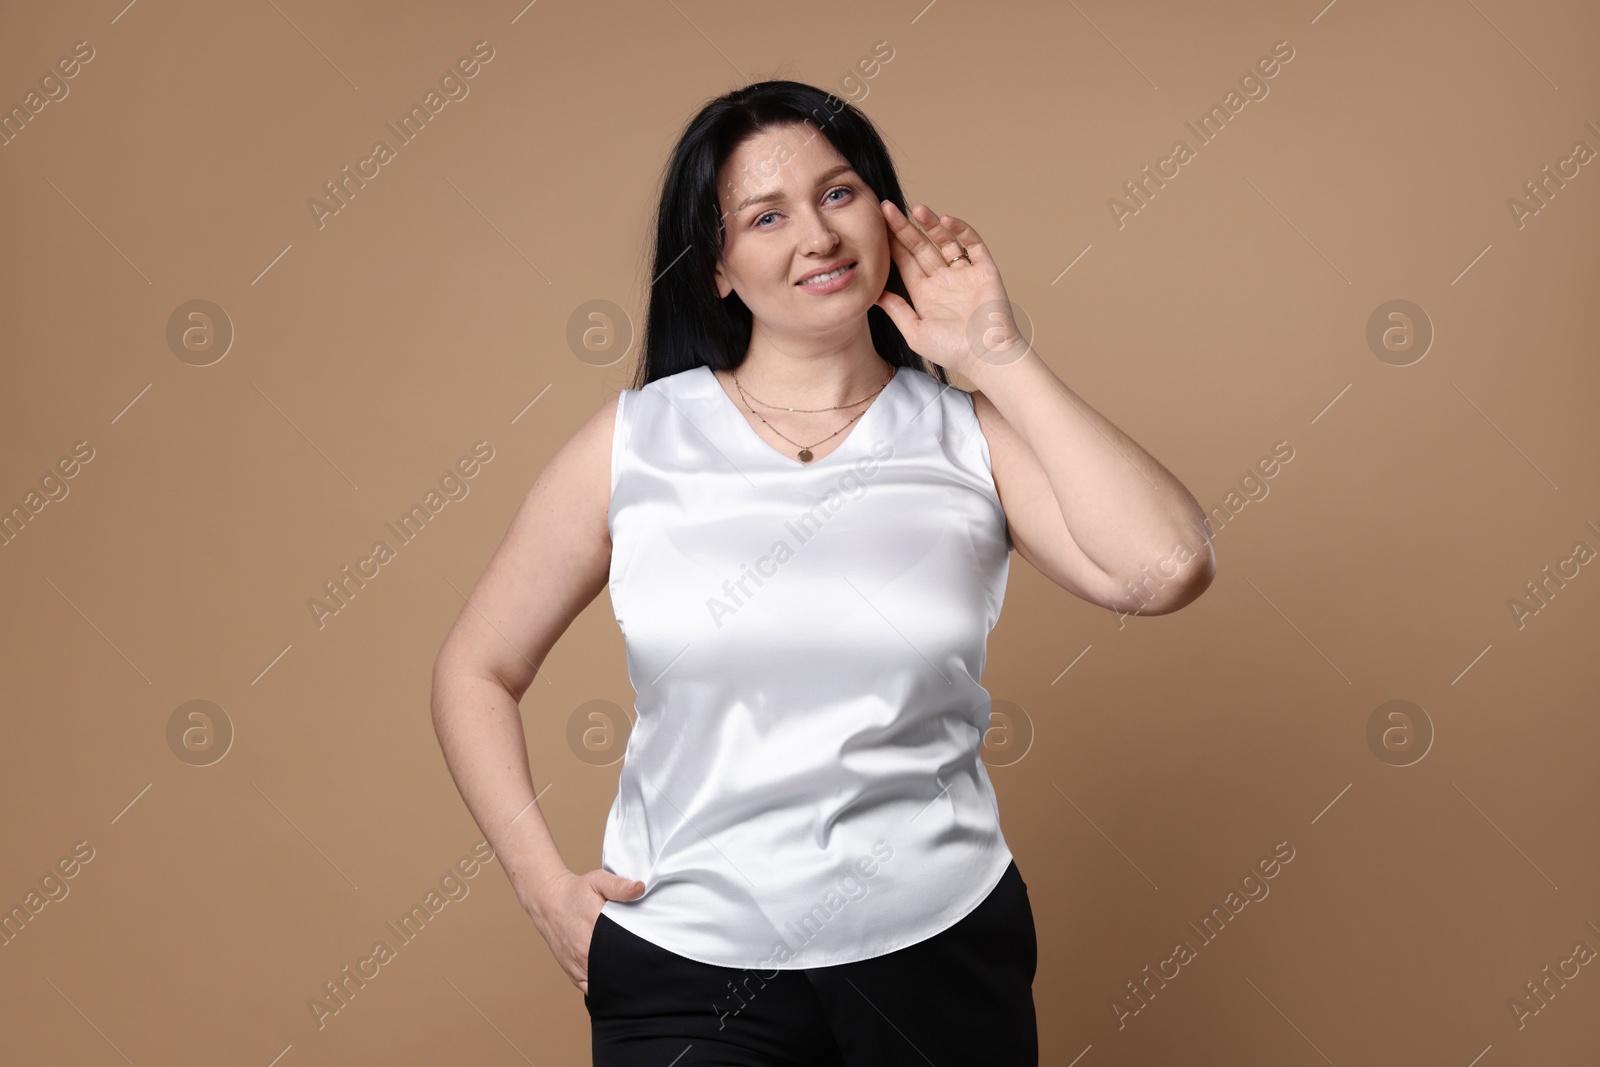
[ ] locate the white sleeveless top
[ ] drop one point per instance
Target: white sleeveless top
(802, 786)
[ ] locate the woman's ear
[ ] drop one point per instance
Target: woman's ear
(723, 285)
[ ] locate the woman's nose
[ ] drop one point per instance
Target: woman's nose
(819, 235)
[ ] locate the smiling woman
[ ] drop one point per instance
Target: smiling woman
(799, 328)
(786, 769)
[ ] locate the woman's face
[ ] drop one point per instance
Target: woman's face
(793, 207)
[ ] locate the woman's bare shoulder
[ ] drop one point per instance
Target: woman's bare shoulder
(587, 453)
(574, 487)
(552, 561)
(598, 429)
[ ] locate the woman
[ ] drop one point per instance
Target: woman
(806, 537)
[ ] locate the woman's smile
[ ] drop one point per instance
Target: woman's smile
(829, 281)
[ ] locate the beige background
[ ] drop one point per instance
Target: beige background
(432, 312)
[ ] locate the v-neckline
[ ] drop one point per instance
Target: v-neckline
(733, 409)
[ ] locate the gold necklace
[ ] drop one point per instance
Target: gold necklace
(805, 454)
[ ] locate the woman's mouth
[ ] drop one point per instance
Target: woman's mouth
(827, 283)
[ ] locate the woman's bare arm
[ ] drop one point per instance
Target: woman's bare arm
(554, 559)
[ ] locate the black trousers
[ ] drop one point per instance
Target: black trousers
(963, 996)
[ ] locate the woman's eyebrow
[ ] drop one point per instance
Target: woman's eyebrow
(762, 198)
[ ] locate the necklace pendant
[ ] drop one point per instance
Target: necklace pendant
(805, 455)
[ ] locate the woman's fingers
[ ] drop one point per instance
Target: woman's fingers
(913, 244)
(943, 240)
(968, 237)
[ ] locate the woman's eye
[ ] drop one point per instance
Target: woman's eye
(836, 189)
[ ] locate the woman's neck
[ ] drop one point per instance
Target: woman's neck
(820, 379)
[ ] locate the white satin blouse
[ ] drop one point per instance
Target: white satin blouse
(802, 785)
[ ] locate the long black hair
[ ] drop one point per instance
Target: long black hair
(687, 324)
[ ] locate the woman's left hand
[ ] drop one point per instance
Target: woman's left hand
(959, 313)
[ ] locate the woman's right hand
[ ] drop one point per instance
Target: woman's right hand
(566, 909)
